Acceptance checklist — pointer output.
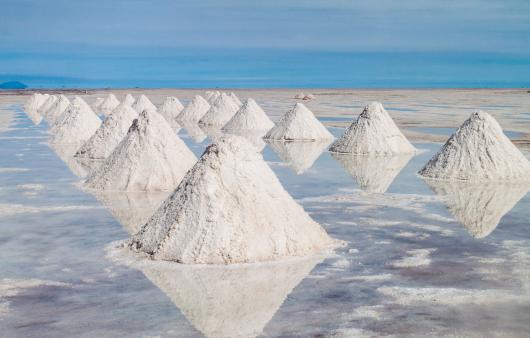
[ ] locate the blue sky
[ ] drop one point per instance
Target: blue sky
(290, 43)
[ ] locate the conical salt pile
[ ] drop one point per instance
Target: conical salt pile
(478, 151)
(298, 124)
(35, 101)
(479, 207)
(195, 110)
(374, 133)
(211, 97)
(76, 125)
(96, 104)
(47, 105)
(373, 173)
(230, 208)
(32, 106)
(194, 131)
(250, 117)
(109, 134)
(170, 110)
(76, 101)
(150, 157)
(220, 112)
(236, 99)
(57, 109)
(129, 100)
(143, 103)
(108, 105)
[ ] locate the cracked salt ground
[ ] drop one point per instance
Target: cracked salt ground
(409, 268)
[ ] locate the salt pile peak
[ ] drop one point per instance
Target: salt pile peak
(250, 117)
(170, 110)
(151, 157)
(143, 103)
(478, 151)
(220, 112)
(299, 123)
(212, 96)
(76, 125)
(129, 99)
(47, 105)
(109, 134)
(108, 105)
(194, 110)
(230, 208)
(374, 133)
(57, 109)
(236, 99)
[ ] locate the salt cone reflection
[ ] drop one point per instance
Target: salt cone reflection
(479, 207)
(229, 301)
(299, 155)
(194, 131)
(373, 173)
(255, 138)
(131, 209)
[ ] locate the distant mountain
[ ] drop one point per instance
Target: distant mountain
(13, 85)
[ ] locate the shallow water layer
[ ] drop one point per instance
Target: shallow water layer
(420, 258)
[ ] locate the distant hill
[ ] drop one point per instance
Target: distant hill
(13, 85)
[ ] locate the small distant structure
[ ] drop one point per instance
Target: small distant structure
(305, 97)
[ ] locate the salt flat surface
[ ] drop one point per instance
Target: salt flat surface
(416, 260)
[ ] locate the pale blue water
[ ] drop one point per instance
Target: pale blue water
(347, 293)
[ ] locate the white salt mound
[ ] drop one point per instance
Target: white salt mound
(97, 104)
(108, 105)
(129, 99)
(230, 208)
(250, 117)
(76, 101)
(47, 105)
(170, 110)
(374, 133)
(150, 157)
(236, 99)
(220, 112)
(194, 131)
(57, 109)
(211, 97)
(478, 151)
(35, 101)
(76, 125)
(299, 123)
(195, 110)
(109, 134)
(143, 103)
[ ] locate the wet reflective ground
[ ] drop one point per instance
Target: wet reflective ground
(421, 258)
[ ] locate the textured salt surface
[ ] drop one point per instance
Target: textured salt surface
(76, 125)
(236, 99)
(150, 157)
(374, 133)
(220, 112)
(195, 110)
(143, 103)
(57, 109)
(250, 117)
(224, 208)
(170, 110)
(478, 151)
(109, 134)
(373, 173)
(97, 104)
(211, 97)
(299, 123)
(47, 105)
(109, 103)
(129, 99)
